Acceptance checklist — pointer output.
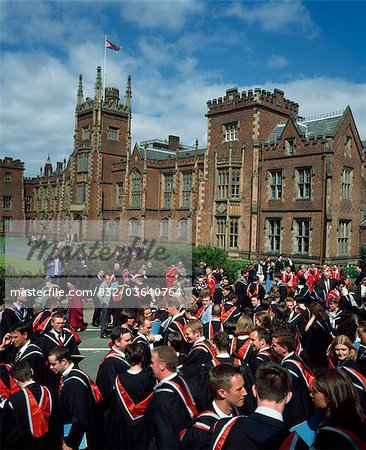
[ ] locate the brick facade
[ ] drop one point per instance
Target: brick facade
(269, 182)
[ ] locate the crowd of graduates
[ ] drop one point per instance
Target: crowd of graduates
(275, 360)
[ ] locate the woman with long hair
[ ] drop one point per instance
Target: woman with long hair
(343, 355)
(344, 426)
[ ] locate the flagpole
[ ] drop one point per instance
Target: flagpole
(105, 63)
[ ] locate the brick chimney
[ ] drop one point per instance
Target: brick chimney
(173, 142)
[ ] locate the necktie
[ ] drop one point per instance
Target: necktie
(327, 285)
(60, 340)
(17, 356)
(60, 385)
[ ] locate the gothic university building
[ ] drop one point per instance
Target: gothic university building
(268, 181)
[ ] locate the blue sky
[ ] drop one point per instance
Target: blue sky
(180, 53)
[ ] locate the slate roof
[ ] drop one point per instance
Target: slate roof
(161, 154)
(324, 127)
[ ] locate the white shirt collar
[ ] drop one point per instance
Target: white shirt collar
(290, 354)
(120, 352)
(170, 377)
(27, 383)
(199, 340)
(218, 411)
(269, 412)
(24, 348)
(68, 370)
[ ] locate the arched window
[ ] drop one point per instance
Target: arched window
(134, 228)
(183, 230)
(164, 229)
(136, 188)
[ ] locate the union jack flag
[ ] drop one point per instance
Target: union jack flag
(114, 47)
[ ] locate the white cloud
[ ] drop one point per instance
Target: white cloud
(284, 16)
(166, 14)
(277, 62)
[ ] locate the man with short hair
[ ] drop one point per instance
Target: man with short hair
(28, 417)
(264, 428)
(58, 335)
(226, 384)
(115, 361)
(17, 346)
(176, 320)
(214, 325)
(172, 407)
(301, 407)
(205, 312)
(144, 337)
(76, 401)
(260, 340)
(201, 351)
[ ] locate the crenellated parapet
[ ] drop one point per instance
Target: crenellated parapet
(233, 100)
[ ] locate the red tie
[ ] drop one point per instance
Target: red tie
(59, 340)
(60, 385)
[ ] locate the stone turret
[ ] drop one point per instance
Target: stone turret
(98, 85)
(48, 167)
(80, 94)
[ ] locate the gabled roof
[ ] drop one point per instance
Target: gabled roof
(321, 127)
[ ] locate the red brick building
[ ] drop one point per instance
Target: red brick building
(12, 200)
(269, 182)
(282, 184)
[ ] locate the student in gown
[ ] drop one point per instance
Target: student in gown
(28, 418)
(131, 395)
(114, 362)
(77, 401)
(228, 390)
(172, 407)
(264, 428)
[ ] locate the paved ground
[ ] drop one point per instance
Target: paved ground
(92, 347)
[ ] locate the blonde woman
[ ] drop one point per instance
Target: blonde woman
(343, 355)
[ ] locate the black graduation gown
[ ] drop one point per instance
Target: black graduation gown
(212, 327)
(112, 365)
(247, 433)
(41, 322)
(329, 437)
(166, 416)
(124, 425)
(200, 354)
(300, 407)
(77, 406)
(48, 341)
(144, 343)
(241, 287)
(315, 344)
(33, 355)
(12, 315)
(15, 423)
